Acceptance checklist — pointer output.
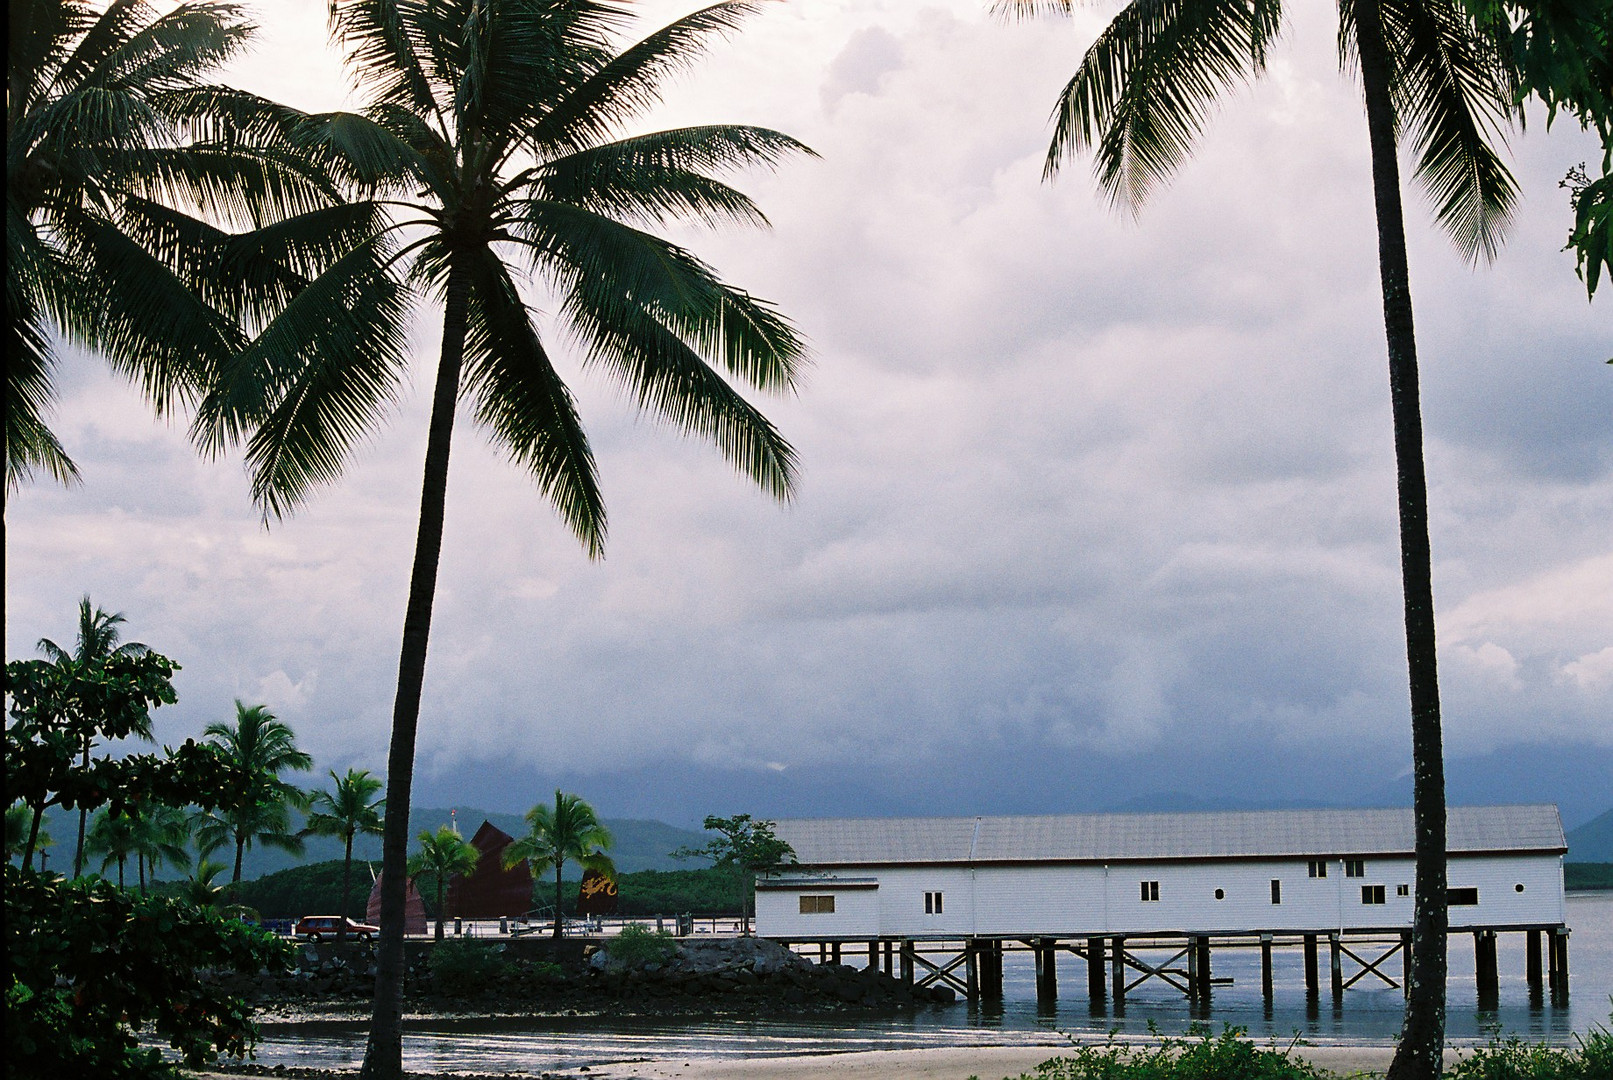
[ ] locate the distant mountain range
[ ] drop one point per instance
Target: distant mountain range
(1592, 841)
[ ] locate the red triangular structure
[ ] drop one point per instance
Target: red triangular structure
(492, 892)
(414, 909)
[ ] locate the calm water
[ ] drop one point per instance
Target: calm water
(1367, 1015)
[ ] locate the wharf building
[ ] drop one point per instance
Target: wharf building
(1150, 896)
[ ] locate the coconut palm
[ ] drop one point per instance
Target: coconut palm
(111, 837)
(443, 854)
(349, 809)
(1141, 94)
(495, 131)
(263, 747)
(160, 837)
(19, 819)
(568, 831)
(121, 165)
(98, 641)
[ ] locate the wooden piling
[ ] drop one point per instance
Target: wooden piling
(1405, 962)
(1313, 983)
(1047, 970)
(873, 956)
(834, 952)
(907, 962)
(971, 950)
(1336, 963)
(1265, 966)
(1201, 947)
(1559, 961)
(1117, 968)
(1485, 970)
(1531, 963)
(1095, 958)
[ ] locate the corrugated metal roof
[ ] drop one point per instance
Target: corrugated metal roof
(1115, 837)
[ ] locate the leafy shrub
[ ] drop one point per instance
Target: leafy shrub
(546, 971)
(463, 965)
(92, 965)
(1228, 1056)
(638, 945)
(1512, 1058)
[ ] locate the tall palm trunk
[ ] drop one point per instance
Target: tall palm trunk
(140, 868)
(1422, 1037)
(83, 816)
(347, 885)
(559, 894)
(123, 860)
(240, 849)
(383, 1057)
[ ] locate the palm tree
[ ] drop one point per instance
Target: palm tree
(113, 143)
(348, 810)
(442, 855)
(569, 831)
(112, 838)
(495, 133)
(19, 819)
(264, 747)
(98, 642)
(1142, 93)
(160, 836)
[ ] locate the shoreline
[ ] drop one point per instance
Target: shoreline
(1368, 1061)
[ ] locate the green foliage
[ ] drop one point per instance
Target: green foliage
(637, 945)
(461, 965)
(708, 891)
(569, 831)
(1511, 1058)
(56, 707)
(1594, 875)
(92, 965)
(745, 845)
(1200, 1056)
(262, 747)
(315, 889)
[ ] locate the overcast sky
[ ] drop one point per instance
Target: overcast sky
(1075, 488)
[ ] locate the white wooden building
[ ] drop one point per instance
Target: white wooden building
(1179, 874)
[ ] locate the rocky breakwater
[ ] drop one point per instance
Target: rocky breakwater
(752, 972)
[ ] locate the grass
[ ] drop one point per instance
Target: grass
(1198, 1056)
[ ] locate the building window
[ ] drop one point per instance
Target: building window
(1220, 894)
(1372, 894)
(932, 903)
(1462, 898)
(1355, 868)
(1318, 868)
(1402, 890)
(817, 905)
(1150, 891)
(1276, 891)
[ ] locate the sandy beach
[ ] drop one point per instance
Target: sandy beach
(959, 1063)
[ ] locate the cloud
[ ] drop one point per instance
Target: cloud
(1072, 483)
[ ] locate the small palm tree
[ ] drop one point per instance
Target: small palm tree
(112, 838)
(160, 837)
(18, 820)
(263, 747)
(98, 641)
(120, 160)
(1428, 73)
(443, 854)
(568, 831)
(201, 887)
(351, 808)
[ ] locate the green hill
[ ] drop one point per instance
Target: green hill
(1592, 842)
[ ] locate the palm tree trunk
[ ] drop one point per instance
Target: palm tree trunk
(240, 849)
(383, 1057)
(559, 892)
(1420, 1053)
(440, 911)
(83, 816)
(122, 862)
(347, 884)
(33, 837)
(140, 868)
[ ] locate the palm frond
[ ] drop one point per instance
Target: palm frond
(628, 83)
(523, 401)
(661, 176)
(383, 54)
(1454, 95)
(1145, 87)
(315, 381)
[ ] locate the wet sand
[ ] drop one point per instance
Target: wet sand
(961, 1063)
